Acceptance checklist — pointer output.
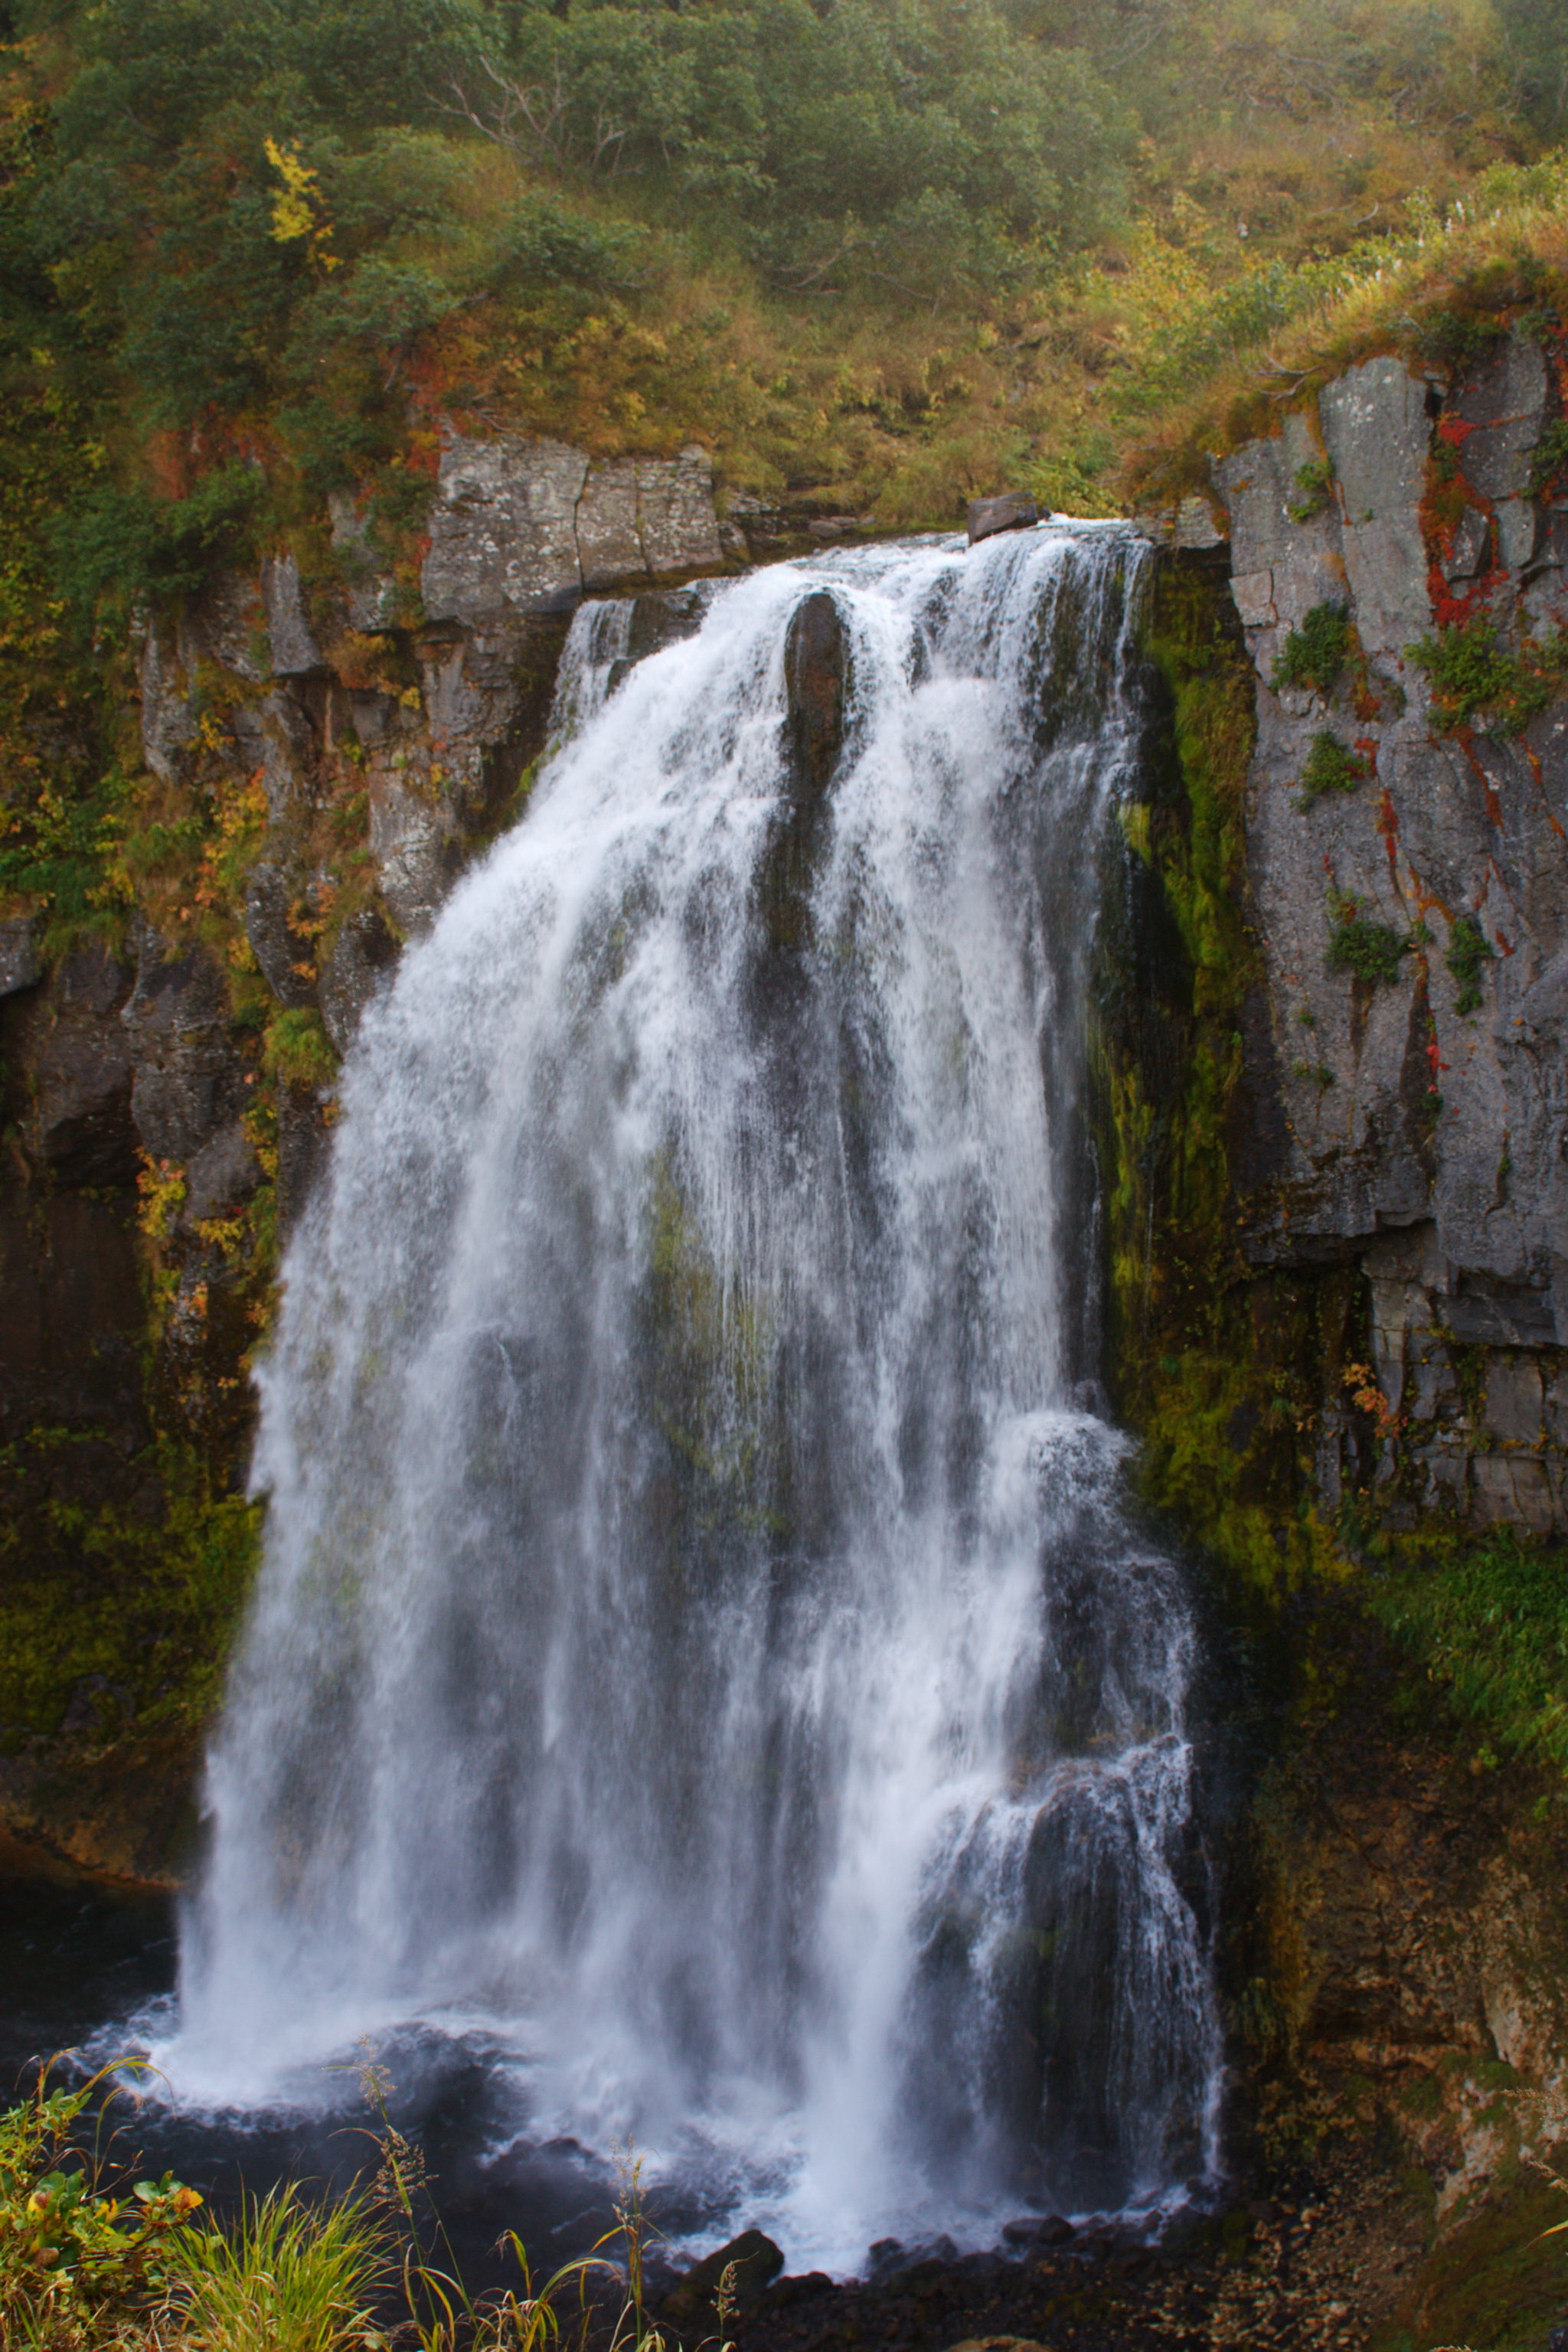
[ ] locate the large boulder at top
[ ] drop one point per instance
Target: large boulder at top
(503, 531)
(609, 546)
(755, 2262)
(523, 527)
(676, 525)
(1013, 512)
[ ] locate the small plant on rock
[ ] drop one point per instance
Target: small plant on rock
(1360, 945)
(1330, 766)
(1469, 950)
(1471, 672)
(297, 1049)
(1315, 654)
(1368, 1397)
(1315, 482)
(1550, 456)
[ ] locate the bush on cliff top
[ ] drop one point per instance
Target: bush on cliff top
(287, 235)
(1446, 275)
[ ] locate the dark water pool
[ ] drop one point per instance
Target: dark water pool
(80, 1967)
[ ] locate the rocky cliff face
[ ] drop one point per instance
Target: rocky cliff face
(325, 745)
(1359, 1215)
(1398, 559)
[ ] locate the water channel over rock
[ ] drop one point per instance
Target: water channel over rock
(701, 1658)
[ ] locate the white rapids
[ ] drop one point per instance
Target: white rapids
(700, 1649)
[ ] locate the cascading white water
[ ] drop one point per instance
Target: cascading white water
(698, 1639)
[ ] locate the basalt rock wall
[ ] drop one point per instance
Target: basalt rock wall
(1398, 561)
(1336, 1133)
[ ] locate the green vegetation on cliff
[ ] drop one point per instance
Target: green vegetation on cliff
(1441, 286)
(893, 251)
(1488, 1618)
(1218, 1371)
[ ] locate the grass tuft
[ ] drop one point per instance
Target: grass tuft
(1368, 950)
(1469, 951)
(1331, 766)
(1315, 654)
(1490, 1617)
(293, 2276)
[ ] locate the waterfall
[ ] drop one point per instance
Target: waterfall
(698, 1644)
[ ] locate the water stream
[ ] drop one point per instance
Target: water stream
(700, 1657)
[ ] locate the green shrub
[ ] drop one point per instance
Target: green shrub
(297, 1051)
(1457, 339)
(81, 2261)
(1357, 944)
(1315, 654)
(1469, 950)
(149, 1602)
(1315, 482)
(1489, 1616)
(1550, 456)
(58, 850)
(1471, 672)
(117, 547)
(1331, 766)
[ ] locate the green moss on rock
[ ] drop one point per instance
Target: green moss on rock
(120, 1610)
(1217, 1369)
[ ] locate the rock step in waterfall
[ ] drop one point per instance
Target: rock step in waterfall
(700, 1653)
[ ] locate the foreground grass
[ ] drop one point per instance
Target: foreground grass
(290, 2277)
(93, 2261)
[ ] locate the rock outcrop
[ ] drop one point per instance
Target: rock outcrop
(1398, 563)
(523, 527)
(439, 696)
(327, 741)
